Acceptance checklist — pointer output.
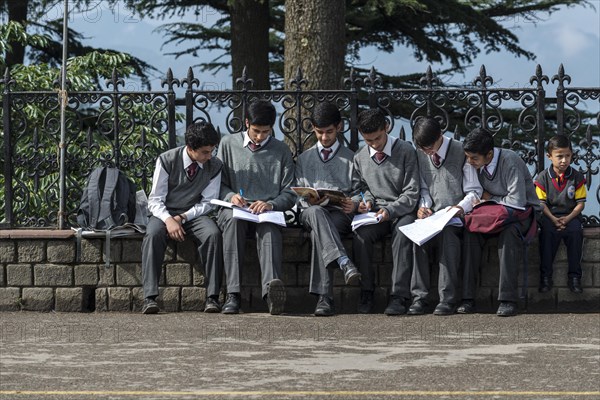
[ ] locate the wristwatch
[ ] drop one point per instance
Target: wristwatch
(182, 216)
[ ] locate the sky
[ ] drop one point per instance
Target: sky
(570, 36)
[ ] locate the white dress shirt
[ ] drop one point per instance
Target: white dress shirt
(160, 187)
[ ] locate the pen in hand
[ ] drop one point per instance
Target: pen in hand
(362, 195)
(242, 200)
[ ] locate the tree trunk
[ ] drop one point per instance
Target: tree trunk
(315, 40)
(250, 40)
(17, 11)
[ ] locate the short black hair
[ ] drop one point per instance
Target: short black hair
(371, 120)
(479, 141)
(325, 114)
(559, 142)
(261, 113)
(201, 134)
(426, 132)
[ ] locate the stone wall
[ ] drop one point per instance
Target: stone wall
(42, 271)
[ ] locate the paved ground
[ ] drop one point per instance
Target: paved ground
(195, 355)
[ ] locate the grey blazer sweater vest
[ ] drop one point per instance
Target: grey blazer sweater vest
(445, 182)
(183, 193)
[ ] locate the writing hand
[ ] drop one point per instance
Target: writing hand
(424, 212)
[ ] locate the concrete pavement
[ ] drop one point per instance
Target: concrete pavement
(255, 355)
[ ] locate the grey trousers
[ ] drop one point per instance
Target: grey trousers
(447, 246)
(326, 226)
(510, 253)
(205, 234)
(269, 246)
(402, 254)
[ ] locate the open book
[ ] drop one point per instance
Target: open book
(424, 229)
(336, 197)
(365, 219)
(274, 217)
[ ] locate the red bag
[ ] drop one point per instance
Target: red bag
(491, 217)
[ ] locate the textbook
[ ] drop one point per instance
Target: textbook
(336, 197)
(274, 217)
(422, 230)
(365, 219)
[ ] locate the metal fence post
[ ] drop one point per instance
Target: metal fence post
(8, 195)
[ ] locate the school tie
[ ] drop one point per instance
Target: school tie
(191, 170)
(436, 159)
(379, 156)
(487, 172)
(326, 153)
(253, 146)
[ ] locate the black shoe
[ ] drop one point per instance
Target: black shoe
(395, 306)
(365, 306)
(232, 304)
(444, 309)
(507, 309)
(351, 274)
(575, 285)
(325, 307)
(417, 308)
(545, 285)
(212, 305)
(466, 307)
(150, 306)
(276, 297)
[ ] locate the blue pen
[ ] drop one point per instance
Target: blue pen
(363, 198)
(241, 193)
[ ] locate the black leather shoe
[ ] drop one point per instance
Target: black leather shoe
(507, 309)
(417, 308)
(232, 304)
(325, 307)
(444, 309)
(351, 274)
(467, 306)
(365, 306)
(575, 285)
(150, 306)
(545, 285)
(212, 305)
(395, 306)
(276, 297)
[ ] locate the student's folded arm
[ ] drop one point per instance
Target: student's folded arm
(406, 203)
(287, 197)
(517, 195)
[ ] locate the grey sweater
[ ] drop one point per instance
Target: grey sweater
(265, 174)
(392, 185)
(335, 173)
(445, 183)
(184, 193)
(511, 183)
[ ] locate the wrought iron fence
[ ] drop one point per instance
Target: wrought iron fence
(128, 129)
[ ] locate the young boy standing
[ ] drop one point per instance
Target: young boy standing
(562, 191)
(185, 180)
(258, 171)
(386, 173)
(327, 165)
(446, 180)
(505, 179)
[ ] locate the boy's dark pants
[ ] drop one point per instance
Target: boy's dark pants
(510, 252)
(550, 239)
(269, 246)
(326, 226)
(206, 235)
(363, 244)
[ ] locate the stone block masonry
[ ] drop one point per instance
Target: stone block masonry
(43, 272)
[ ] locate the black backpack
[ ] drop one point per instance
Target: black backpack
(108, 200)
